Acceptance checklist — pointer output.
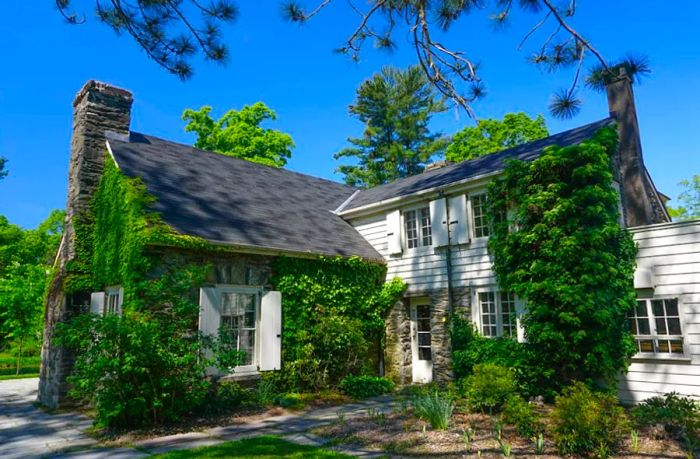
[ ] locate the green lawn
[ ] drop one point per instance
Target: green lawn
(22, 376)
(258, 448)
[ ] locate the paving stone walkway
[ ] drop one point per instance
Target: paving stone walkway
(27, 432)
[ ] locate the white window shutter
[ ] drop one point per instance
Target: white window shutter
(459, 228)
(438, 222)
(393, 232)
(97, 303)
(209, 315)
(271, 331)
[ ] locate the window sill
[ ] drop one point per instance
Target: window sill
(655, 358)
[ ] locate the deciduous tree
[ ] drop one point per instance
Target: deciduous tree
(395, 106)
(491, 135)
(689, 200)
(238, 133)
(25, 266)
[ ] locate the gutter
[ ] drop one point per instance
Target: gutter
(390, 202)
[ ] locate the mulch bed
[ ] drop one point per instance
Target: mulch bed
(398, 433)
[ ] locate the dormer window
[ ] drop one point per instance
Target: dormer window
(417, 228)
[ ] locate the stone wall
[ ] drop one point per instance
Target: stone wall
(398, 353)
(98, 108)
(226, 268)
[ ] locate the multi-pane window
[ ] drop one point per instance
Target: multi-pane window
(508, 323)
(497, 311)
(489, 316)
(656, 325)
(423, 332)
(481, 222)
(239, 320)
(112, 304)
(417, 227)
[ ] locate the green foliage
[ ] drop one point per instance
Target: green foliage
(395, 106)
(489, 387)
(689, 200)
(227, 396)
(169, 32)
(26, 257)
(238, 133)
(334, 311)
(563, 250)
(360, 387)
(145, 366)
(585, 422)
(469, 348)
(435, 408)
(492, 135)
(519, 413)
(3, 171)
(679, 415)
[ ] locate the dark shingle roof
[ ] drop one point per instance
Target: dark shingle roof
(232, 201)
(473, 168)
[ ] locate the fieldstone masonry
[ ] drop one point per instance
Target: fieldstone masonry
(98, 108)
(399, 356)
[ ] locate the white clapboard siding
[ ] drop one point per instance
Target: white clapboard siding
(672, 250)
(426, 269)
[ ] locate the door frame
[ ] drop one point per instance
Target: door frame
(422, 370)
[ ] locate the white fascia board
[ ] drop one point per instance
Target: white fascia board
(111, 154)
(453, 188)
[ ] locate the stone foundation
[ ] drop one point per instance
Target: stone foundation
(398, 353)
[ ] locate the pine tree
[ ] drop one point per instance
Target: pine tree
(395, 106)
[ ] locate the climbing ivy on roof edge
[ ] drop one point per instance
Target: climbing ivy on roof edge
(563, 250)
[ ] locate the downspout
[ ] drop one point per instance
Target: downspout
(448, 251)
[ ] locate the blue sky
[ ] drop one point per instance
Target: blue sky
(293, 70)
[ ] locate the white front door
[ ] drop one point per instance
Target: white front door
(421, 341)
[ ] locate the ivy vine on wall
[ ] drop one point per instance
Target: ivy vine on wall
(334, 311)
(562, 249)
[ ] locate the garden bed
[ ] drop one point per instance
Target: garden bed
(399, 432)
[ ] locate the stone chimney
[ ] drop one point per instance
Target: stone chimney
(641, 201)
(98, 108)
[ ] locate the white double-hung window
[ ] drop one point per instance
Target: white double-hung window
(497, 314)
(249, 318)
(417, 228)
(656, 325)
(480, 221)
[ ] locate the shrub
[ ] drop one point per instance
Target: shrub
(488, 388)
(519, 413)
(434, 408)
(225, 396)
(471, 348)
(365, 386)
(585, 422)
(679, 415)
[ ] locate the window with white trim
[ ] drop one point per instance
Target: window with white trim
(656, 325)
(239, 318)
(497, 314)
(479, 216)
(423, 332)
(417, 228)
